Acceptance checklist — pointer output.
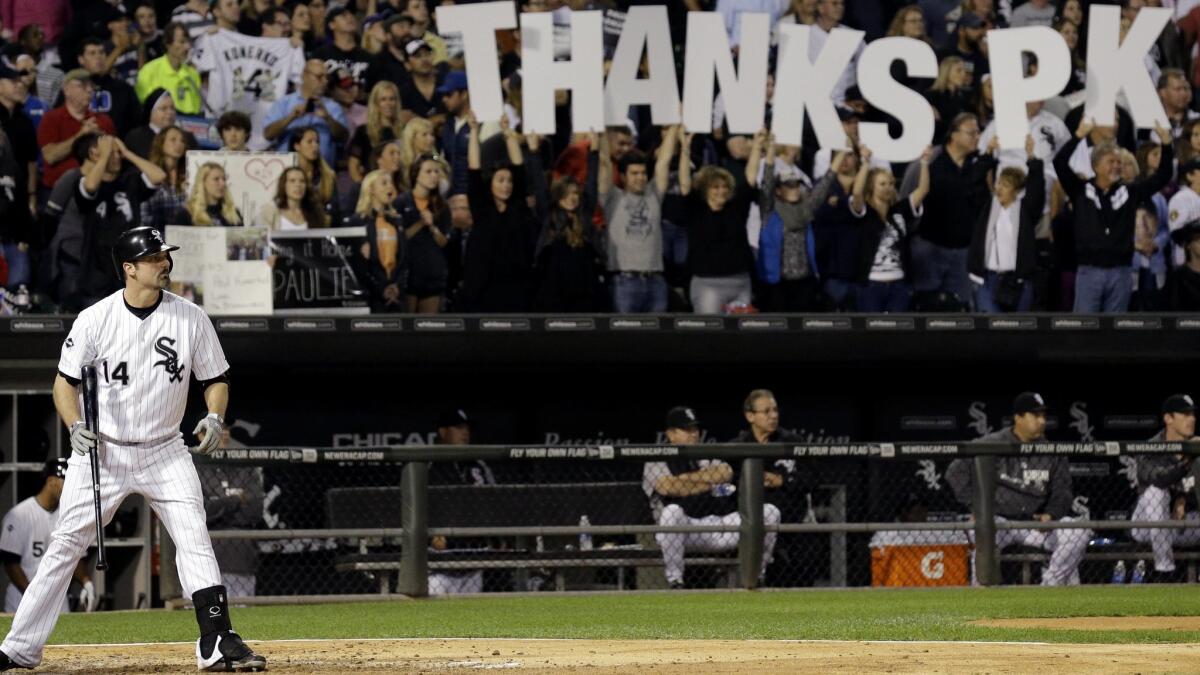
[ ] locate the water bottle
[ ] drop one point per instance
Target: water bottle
(21, 299)
(585, 538)
(1139, 573)
(1118, 576)
(541, 544)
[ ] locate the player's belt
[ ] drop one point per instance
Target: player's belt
(137, 444)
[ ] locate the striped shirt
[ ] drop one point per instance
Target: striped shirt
(195, 22)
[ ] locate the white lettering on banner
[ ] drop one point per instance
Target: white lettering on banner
(801, 85)
(1011, 90)
(646, 28)
(932, 565)
(744, 90)
(478, 23)
(876, 83)
(1114, 66)
(583, 75)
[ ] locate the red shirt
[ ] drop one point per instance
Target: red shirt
(57, 126)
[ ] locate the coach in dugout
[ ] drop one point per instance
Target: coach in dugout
(698, 492)
(1029, 488)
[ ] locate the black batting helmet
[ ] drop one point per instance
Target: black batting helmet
(138, 242)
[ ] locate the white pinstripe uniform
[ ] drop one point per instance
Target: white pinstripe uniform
(143, 367)
(26, 532)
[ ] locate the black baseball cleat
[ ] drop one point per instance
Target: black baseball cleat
(225, 652)
(8, 664)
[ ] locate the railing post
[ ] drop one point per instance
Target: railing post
(414, 503)
(987, 563)
(751, 531)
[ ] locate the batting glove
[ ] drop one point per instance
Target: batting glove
(82, 440)
(208, 430)
(87, 597)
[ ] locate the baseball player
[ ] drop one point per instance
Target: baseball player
(144, 343)
(697, 492)
(25, 534)
(1163, 485)
(1029, 488)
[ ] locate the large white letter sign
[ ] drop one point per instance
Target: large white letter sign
(1112, 68)
(478, 24)
(1011, 90)
(883, 92)
(542, 75)
(744, 91)
(803, 86)
(644, 26)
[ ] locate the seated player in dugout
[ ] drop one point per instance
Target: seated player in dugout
(698, 492)
(1165, 484)
(25, 534)
(1029, 488)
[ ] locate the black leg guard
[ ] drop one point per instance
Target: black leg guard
(212, 610)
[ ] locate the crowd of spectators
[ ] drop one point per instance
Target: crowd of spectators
(464, 216)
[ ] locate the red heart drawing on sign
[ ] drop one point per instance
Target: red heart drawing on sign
(264, 171)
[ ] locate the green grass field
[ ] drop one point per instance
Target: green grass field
(815, 615)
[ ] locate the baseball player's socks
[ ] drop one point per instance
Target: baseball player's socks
(219, 648)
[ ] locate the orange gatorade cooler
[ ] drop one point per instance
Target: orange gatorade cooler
(920, 558)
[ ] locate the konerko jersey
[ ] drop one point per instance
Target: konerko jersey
(247, 74)
(26, 533)
(143, 365)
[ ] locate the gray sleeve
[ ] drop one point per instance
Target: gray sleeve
(816, 197)
(1161, 472)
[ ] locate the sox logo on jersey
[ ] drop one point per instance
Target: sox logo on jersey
(170, 362)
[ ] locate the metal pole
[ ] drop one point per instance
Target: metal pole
(751, 531)
(987, 562)
(414, 504)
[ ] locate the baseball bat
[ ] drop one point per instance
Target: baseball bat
(91, 418)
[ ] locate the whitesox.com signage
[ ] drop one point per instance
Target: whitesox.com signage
(802, 86)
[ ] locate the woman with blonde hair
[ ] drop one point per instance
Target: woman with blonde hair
(210, 203)
(416, 140)
(306, 143)
(909, 22)
(385, 250)
(385, 122)
(294, 206)
(166, 206)
(948, 96)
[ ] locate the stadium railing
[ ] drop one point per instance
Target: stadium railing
(417, 520)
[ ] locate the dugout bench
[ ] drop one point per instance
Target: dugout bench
(1129, 551)
(500, 507)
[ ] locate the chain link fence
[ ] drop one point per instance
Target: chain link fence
(292, 522)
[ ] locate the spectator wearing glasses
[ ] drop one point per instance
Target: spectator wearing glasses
(957, 192)
(172, 72)
(34, 107)
(63, 125)
(307, 107)
(32, 41)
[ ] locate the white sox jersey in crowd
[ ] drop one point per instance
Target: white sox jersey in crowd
(143, 365)
(26, 533)
(247, 74)
(1184, 208)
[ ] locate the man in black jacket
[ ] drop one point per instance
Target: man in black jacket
(1029, 488)
(1163, 489)
(1105, 210)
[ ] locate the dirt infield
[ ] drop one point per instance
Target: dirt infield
(1173, 623)
(655, 656)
